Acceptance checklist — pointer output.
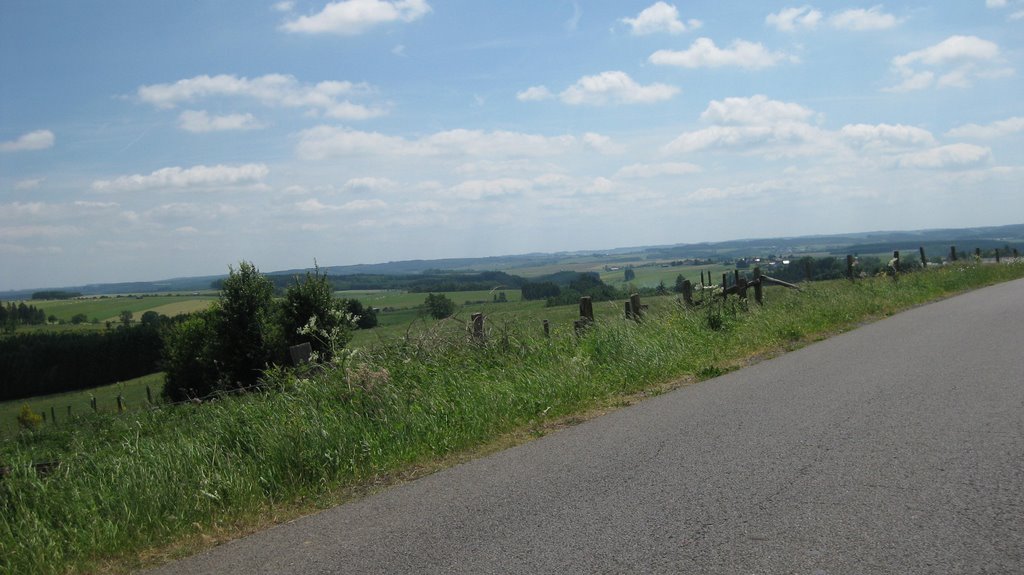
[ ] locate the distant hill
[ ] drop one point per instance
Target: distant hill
(935, 241)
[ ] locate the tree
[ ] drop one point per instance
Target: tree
(662, 289)
(680, 282)
(630, 275)
(79, 318)
(150, 318)
(126, 317)
(188, 357)
(310, 312)
(248, 337)
(439, 306)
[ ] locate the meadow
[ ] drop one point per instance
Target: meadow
(108, 308)
(139, 488)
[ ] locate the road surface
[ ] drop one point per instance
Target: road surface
(894, 448)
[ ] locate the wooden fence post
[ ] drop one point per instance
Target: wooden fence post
(895, 264)
(758, 293)
(688, 293)
(997, 255)
(924, 258)
(69, 412)
(849, 267)
(725, 287)
(629, 310)
(977, 253)
(586, 308)
(952, 253)
(149, 395)
(43, 413)
(53, 415)
(478, 327)
(636, 307)
(120, 403)
(92, 402)
(547, 329)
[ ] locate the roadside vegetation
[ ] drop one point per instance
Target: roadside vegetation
(115, 487)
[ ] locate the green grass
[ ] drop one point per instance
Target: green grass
(132, 391)
(108, 308)
(129, 484)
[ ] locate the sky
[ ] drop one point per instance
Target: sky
(148, 140)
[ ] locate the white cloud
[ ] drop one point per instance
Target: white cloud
(199, 121)
(601, 143)
(969, 57)
(704, 54)
(329, 141)
(314, 205)
(657, 170)
(37, 140)
(194, 177)
(369, 184)
(995, 3)
(860, 19)
(659, 17)
(615, 87)
(886, 135)
(994, 130)
(37, 231)
(1018, 15)
(350, 17)
(28, 184)
(790, 19)
(286, 6)
(951, 156)
(534, 94)
(276, 90)
(480, 189)
(757, 109)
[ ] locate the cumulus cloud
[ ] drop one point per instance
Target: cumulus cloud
(615, 87)
(351, 17)
(860, 19)
(951, 156)
(534, 94)
(198, 121)
(703, 53)
(792, 19)
(886, 135)
(780, 129)
(659, 17)
(994, 130)
(181, 178)
(323, 142)
(369, 184)
(275, 90)
(37, 140)
(657, 170)
(954, 62)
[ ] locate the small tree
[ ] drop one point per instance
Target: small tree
(189, 357)
(248, 336)
(310, 312)
(126, 317)
(439, 306)
(629, 274)
(680, 282)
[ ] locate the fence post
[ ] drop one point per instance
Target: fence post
(895, 264)
(997, 255)
(69, 412)
(587, 308)
(478, 327)
(952, 253)
(53, 415)
(1016, 253)
(977, 253)
(849, 267)
(149, 395)
(634, 304)
(725, 287)
(120, 403)
(758, 293)
(688, 293)
(547, 329)
(924, 259)
(629, 310)
(92, 402)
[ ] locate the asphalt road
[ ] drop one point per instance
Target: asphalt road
(894, 448)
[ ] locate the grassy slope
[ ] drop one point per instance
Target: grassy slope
(127, 484)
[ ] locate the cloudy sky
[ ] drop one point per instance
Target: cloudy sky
(146, 140)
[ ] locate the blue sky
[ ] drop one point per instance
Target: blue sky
(146, 140)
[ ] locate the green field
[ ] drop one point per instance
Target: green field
(108, 308)
(133, 393)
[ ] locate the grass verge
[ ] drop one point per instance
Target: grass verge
(128, 485)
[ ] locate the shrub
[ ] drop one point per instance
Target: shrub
(28, 419)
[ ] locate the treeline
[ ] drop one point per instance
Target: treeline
(11, 316)
(566, 288)
(43, 363)
(56, 294)
(430, 281)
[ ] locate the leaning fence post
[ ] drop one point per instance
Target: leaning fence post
(478, 327)
(688, 293)
(149, 396)
(120, 403)
(952, 253)
(924, 259)
(849, 267)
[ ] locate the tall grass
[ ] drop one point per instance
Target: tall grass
(126, 484)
